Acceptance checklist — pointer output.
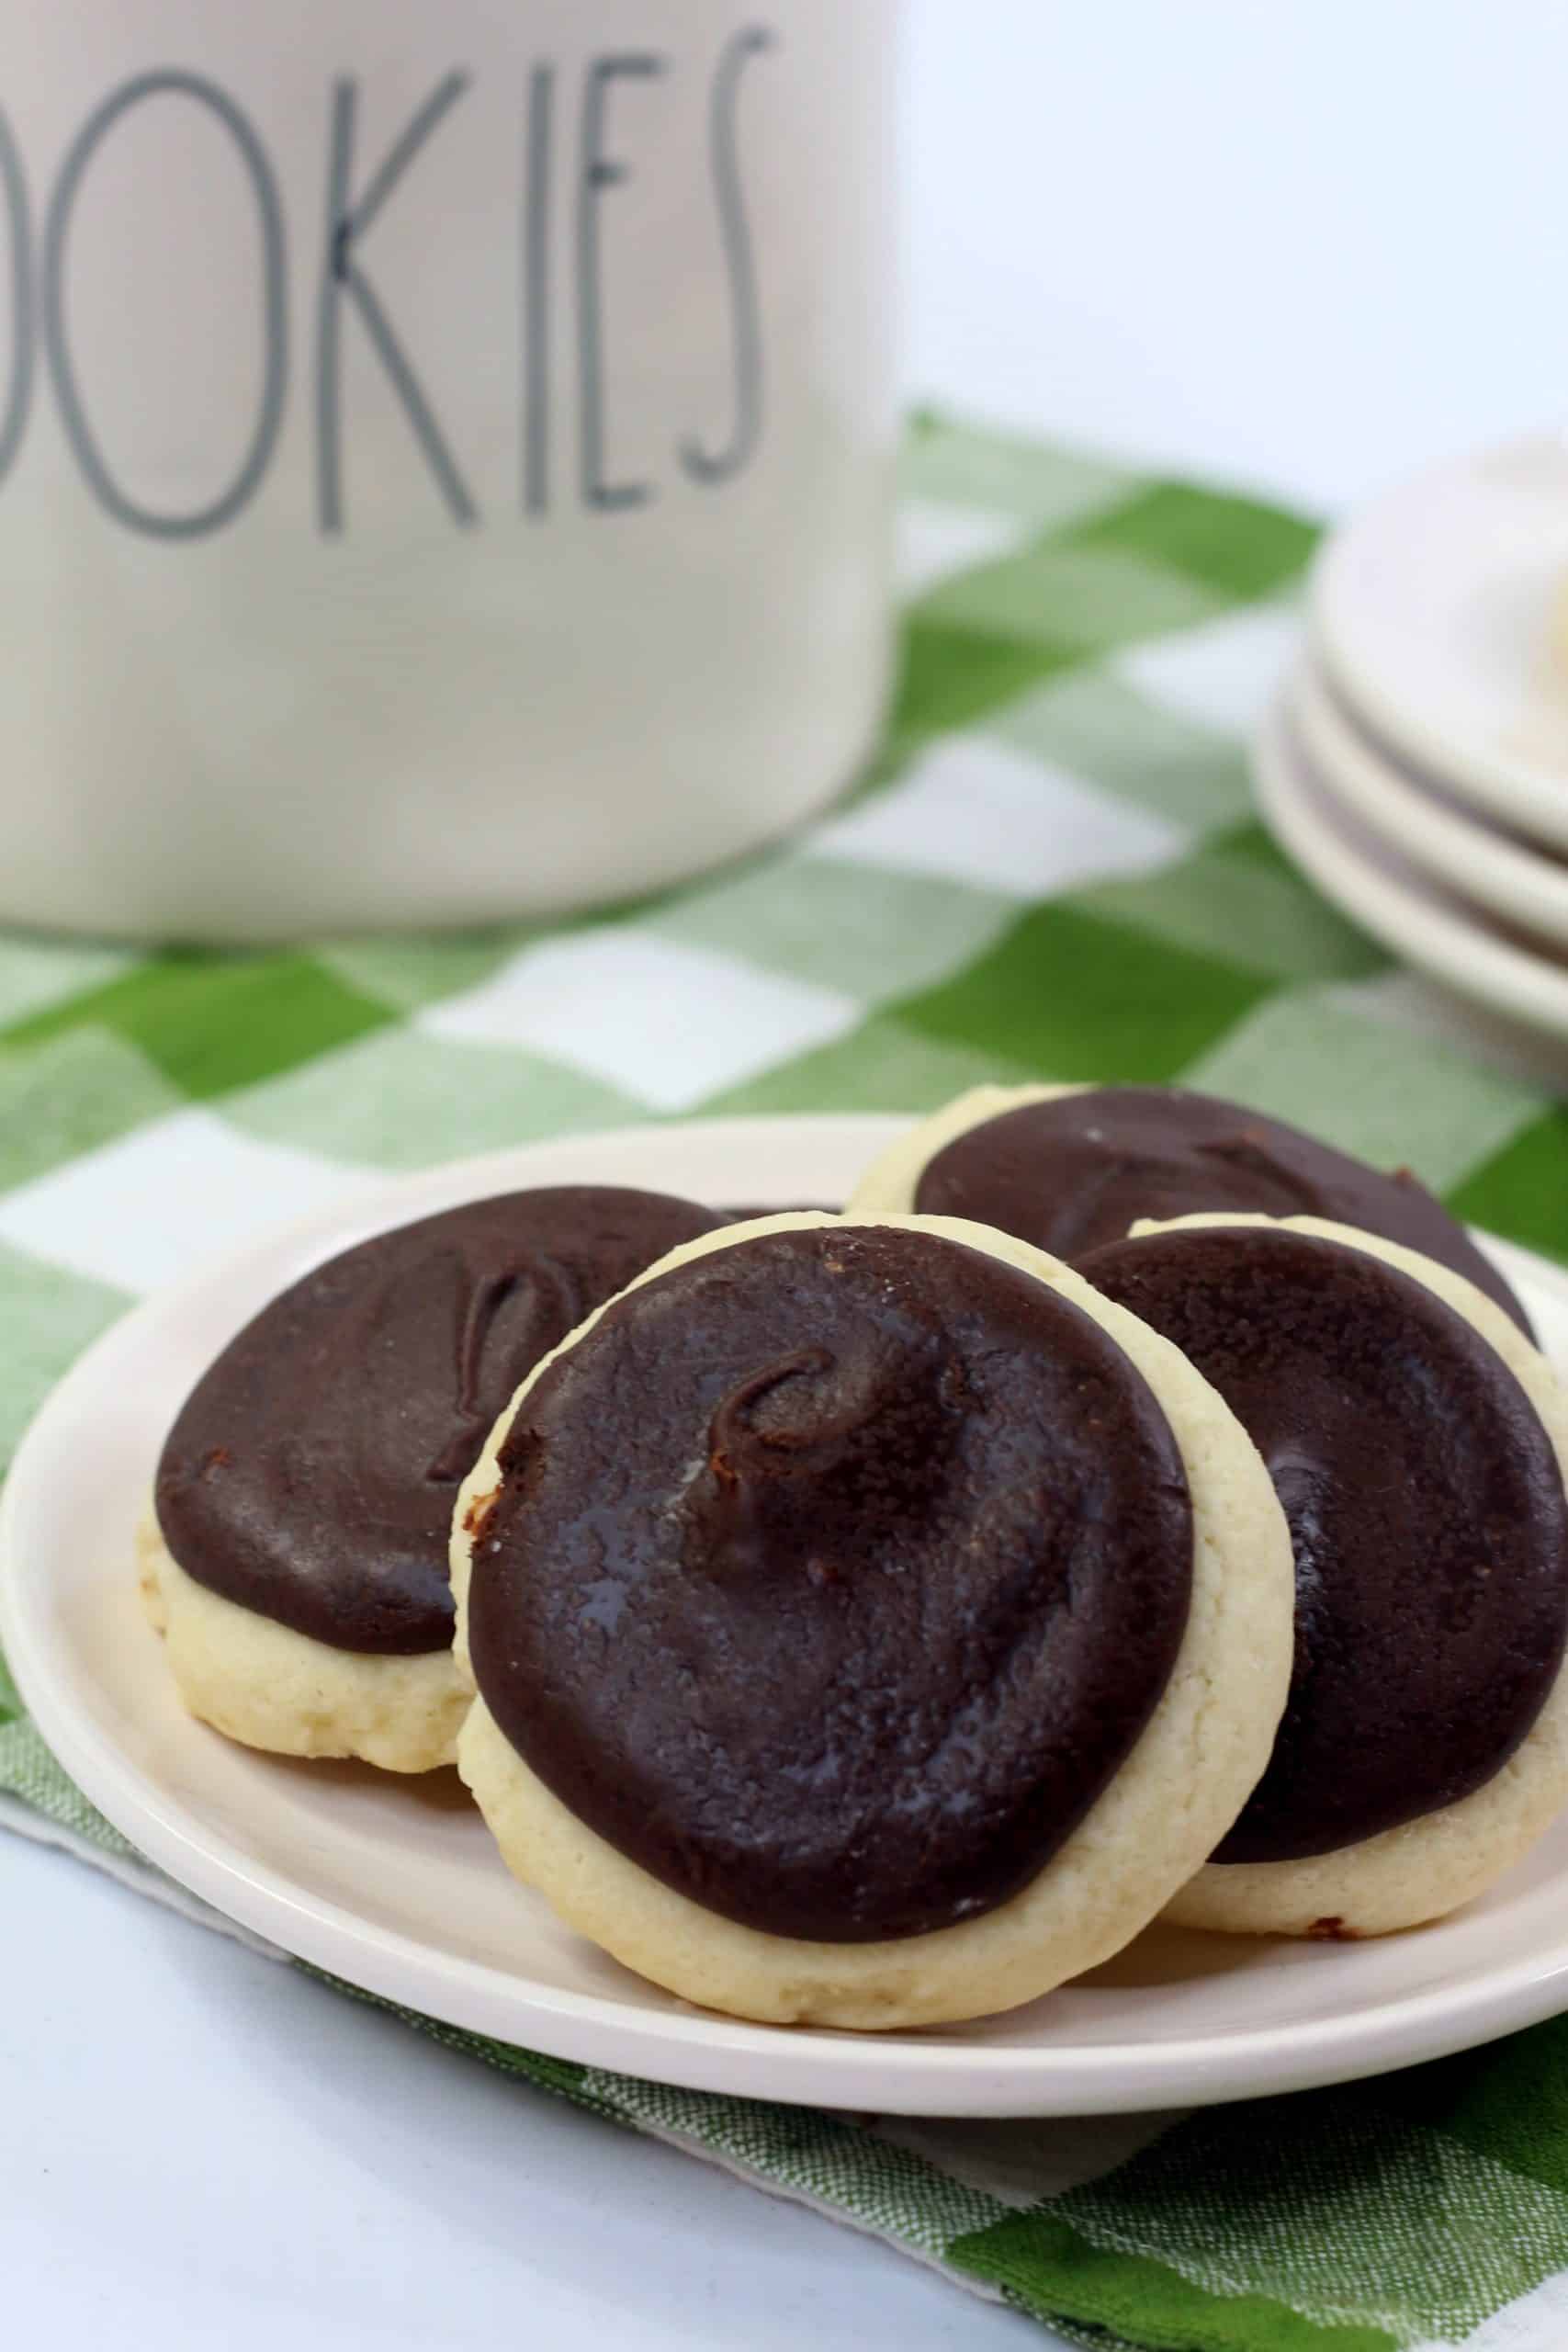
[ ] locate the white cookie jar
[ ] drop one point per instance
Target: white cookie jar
(444, 451)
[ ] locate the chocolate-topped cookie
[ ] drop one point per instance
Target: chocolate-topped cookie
(832, 1577)
(1072, 1168)
(1426, 1501)
(307, 1481)
(830, 1581)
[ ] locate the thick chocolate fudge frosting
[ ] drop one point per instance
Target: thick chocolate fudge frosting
(1078, 1170)
(311, 1473)
(832, 1577)
(1426, 1508)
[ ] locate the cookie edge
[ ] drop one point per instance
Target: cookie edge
(268, 1687)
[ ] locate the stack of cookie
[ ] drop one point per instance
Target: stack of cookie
(1127, 1505)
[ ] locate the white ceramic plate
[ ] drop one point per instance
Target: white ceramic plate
(1388, 896)
(1522, 886)
(395, 1886)
(1433, 611)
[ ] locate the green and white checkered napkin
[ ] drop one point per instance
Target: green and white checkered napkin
(1054, 871)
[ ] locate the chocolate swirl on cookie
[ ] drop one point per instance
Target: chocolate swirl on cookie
(311, 1473)
(832, 1576)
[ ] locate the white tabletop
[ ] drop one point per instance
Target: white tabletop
(203, 2147)
(1302, 247)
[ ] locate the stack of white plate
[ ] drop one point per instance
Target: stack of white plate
(1415, 762)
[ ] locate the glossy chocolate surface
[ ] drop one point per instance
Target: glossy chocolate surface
(1426, 1508)
(311, 1473)
(1078, 1170)
(832, 1576)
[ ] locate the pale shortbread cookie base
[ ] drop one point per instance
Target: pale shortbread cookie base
(1424, 1867)
(269, 1687)
(1180, 1788)
(890, 1183)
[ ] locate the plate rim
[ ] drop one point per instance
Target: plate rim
(1450, 843)
(1459, 954)
(682, 2045)
(1502, 782)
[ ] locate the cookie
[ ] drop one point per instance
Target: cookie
(871, 1624)
(297, 1561)
(264, 1684)
(1419, 1445)
(1070, 1167)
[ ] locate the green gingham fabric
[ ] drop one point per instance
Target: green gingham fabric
(1053, 872)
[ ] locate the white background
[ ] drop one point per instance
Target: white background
(1308, 243)
(1300, 245)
